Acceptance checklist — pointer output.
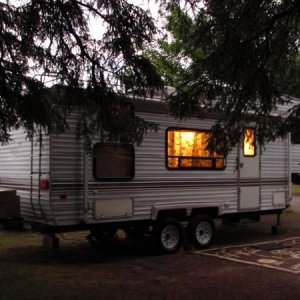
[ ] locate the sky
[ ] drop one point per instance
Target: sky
(151, 5)
(97, 26)
(97, 29)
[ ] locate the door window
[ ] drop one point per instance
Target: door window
(249, 145)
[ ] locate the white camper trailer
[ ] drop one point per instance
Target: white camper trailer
(169, 179)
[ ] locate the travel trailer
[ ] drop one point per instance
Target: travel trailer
(168, 186)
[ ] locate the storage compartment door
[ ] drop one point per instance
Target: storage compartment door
(113, 208)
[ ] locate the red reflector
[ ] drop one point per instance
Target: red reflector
(44, 184)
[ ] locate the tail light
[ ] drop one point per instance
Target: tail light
(44, 184)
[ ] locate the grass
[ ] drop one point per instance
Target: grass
(21, 238)
(296, 189)
(43, 273)
(24, 238)
(290, 212)
(74, 271)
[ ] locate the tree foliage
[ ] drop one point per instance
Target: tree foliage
(247, 49)
(291, 82)
(46, 42)
(172, 54)
(236, 58)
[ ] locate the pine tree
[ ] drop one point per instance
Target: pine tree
(245, 52)
(48, 43)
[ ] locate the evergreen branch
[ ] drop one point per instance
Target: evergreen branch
(273, 20)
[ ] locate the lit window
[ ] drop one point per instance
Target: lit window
(187, 149)
(249, 142)
(113, 161)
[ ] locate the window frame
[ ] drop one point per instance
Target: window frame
(180, 168)
(255, 144)
(132, 167)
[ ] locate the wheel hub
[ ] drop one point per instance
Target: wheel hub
(203, 232)
(170, 237)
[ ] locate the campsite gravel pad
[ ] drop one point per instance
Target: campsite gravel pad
(281, 255)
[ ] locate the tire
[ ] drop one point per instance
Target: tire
(201, 230)
(168, 234)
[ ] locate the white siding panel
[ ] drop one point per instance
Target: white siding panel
(151, 154)
(295, 161)
(152, 184)
(15, 173)
(274, 160)
(150, 173)
(267, 196)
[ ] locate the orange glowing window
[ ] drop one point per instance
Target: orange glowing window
(249, 142)
(187, 149)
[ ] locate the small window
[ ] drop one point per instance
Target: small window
(249, 145)
(113, 161)
(187, 149)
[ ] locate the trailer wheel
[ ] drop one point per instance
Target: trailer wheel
(201, 229)
(168, 234)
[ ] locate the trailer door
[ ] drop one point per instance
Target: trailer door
(249, 172)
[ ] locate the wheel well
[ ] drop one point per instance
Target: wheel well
(179, 214)
(213, 212)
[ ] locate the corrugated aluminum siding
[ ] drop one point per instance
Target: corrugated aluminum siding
(67, 176)
(274, 160)
(15, 173)
(153, 183)
(295, 161)
(274, 172)
(67, 156)
(295, 149)
(267, 195)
